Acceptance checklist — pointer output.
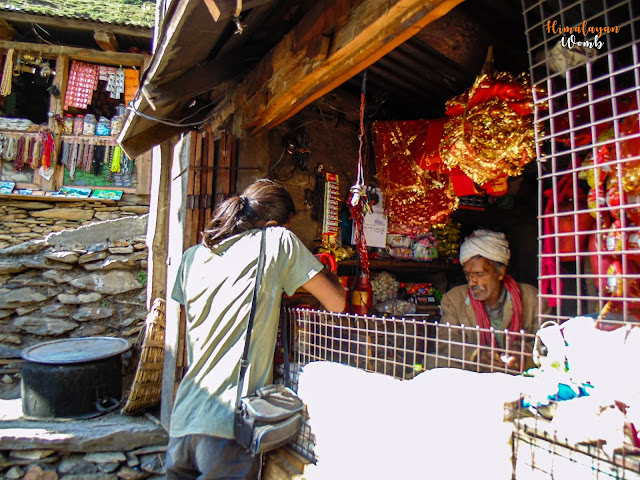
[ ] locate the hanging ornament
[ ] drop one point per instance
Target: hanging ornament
(416, 184)
(490, 133)
(357, 199)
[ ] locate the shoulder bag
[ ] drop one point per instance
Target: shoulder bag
(272, 416)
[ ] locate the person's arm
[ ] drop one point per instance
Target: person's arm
(326, 287)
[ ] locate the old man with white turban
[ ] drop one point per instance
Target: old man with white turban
(493, 301)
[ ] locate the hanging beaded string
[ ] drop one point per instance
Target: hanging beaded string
(87, 155)
(18, 163)
(126, 163)
(25, 151)
(115, 162)
(73, 160)
(89, 164)
(2, 143)
(80, 157)
(48, 151)
(33, 163)
(65, 154)
(11, 150)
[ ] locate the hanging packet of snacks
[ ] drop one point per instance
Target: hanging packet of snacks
(82, 82)
(115, 84)
(131, 84)
(331, 210)
(490, 133)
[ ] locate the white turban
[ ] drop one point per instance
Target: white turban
(491, 245)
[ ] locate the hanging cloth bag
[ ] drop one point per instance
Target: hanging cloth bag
(272, 417)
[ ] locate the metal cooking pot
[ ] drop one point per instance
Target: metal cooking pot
(75, 378)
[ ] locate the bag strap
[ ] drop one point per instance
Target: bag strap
(244, 362)
(285, 343)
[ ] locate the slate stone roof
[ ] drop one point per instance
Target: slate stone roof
(119, 12)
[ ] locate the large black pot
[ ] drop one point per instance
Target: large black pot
(74, 378)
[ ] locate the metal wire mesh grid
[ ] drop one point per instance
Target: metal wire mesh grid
(540, 452)
(401, 348)
(585, 70)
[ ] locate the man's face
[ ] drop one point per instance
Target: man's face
(485, 283)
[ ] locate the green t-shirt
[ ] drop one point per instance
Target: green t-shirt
(216, 287)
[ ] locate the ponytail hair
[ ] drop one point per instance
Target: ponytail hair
(260, 202)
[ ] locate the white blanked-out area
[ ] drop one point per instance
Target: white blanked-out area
(443, 423)
(451, 423)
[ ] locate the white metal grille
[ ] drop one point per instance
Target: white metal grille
(398, 347)
(587, 99)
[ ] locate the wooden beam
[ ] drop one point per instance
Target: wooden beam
(7, 32)
(43, 20)
(106, 40)
(200, 79)
(226, 9)
(333, 42)
(82, 54)
(154, 135)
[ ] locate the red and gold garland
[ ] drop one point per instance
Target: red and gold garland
(416, 198)
(490, 133)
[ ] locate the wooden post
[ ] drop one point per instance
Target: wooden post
(158, 223)
(56, 106)
(196, 211)
(209, 161)
(174, 333)
(226, 169)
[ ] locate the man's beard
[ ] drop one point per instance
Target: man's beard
(478, 293)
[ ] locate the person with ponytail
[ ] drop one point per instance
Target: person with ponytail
(215, 283)
(492, 301)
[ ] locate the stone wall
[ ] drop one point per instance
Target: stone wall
(143, 463)
(32, 218)
(72, 269)
(84, 282)
(108, 447)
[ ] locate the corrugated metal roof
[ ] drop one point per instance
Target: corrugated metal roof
(114, 12)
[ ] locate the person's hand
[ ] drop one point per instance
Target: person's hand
(494, 360)
(513, 362)
(489, 360)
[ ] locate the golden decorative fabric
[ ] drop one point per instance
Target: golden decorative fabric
(490, 133)
(416, 198)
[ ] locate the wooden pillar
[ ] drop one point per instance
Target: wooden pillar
(202, 169)
(226, 167)
(56, 106)
(174, 364)
(158, 223)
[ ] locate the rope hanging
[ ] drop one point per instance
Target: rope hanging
(357, 200)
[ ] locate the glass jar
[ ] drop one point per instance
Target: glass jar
(89, 124)
(103, 127)
(67, 124)
(78, 124)
(116, 125)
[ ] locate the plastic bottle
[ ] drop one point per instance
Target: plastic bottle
(362, 297)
